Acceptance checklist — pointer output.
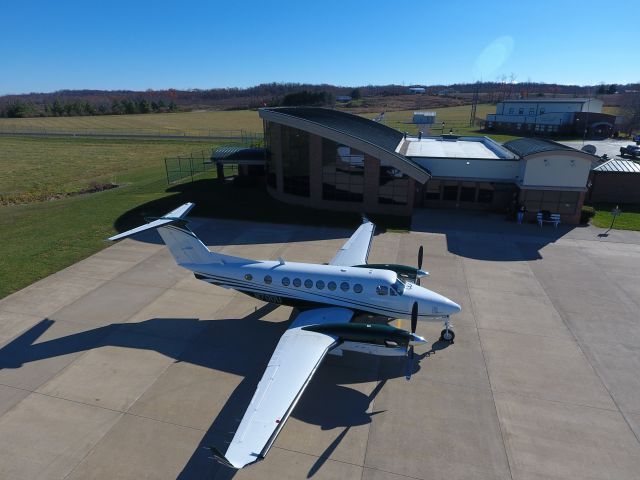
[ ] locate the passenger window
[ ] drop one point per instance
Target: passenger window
(248, 277)
(331, 286)
(268, 279)
(382, 290)
(285, 281)
(296, 282)
(308, 283)
(344, 286)
(320, 285)
(357, 288)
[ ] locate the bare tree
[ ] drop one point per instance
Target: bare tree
(630, 109)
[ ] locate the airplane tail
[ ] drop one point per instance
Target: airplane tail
(183, 244)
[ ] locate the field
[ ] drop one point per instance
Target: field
(455, 118)
(39, 168)
(162, 123)
(199, 123)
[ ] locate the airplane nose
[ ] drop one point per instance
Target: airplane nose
(452, 307)
(441, 305)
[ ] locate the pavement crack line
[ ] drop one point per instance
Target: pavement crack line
(484, 359)
(581, 349)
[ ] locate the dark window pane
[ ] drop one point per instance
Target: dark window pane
(467, 194)
(485, 196)
(450, 192)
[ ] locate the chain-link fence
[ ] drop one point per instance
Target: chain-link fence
(181, 167)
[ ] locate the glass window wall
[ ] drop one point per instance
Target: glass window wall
(295, 161)
(393, 185)
(342, 172)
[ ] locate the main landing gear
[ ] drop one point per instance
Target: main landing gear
(447, 335)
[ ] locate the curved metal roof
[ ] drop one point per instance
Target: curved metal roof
(354, 125)
(529, 146)
(366, 135)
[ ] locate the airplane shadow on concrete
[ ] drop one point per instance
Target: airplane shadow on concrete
(238, 346)
(213, 203)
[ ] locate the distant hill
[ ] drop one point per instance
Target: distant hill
(364, 98)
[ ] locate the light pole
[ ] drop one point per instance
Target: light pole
(614, 213)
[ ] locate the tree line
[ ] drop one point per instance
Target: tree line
(76, 108)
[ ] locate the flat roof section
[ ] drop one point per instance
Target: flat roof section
(456, 147)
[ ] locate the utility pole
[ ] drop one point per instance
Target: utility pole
(474, 105)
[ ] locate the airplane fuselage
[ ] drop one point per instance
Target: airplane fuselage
(371, 290)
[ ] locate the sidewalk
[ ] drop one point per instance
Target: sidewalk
(489, 226)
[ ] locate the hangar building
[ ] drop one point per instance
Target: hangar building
(334, 160)
(552, 116)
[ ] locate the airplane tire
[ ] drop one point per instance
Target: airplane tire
(450, 336)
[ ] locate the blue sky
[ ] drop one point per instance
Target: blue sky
(52, 45)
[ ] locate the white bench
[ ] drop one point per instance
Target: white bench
(551, 218)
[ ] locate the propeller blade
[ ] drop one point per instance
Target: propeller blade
(414, 317)
(418, 281)
(409, 367)
(420, 255)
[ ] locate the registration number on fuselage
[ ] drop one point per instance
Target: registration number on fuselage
(268, 298)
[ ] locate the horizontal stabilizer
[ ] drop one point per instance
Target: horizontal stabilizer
(174, 216)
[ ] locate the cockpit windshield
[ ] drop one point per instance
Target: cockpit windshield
(398, 286)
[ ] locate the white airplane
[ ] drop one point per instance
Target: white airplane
(329, 297)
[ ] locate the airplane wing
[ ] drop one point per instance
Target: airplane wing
(293, 363)
(356, 250)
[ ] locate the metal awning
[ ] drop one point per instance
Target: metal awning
(618, 166)
(239, 156)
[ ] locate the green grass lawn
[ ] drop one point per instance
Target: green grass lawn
(629, 219)
(41, 238)
(36, 168)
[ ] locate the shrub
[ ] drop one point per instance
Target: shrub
(587, 213)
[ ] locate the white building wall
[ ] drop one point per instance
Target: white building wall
(543, 113)
(556, 170)
(506, 170)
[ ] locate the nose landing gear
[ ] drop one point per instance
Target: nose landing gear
(447, 335)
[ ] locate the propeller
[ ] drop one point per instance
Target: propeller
(420, 257)
(410, 354)
(414, 317)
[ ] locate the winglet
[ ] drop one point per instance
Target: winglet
(365, 219)
(217, 454)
